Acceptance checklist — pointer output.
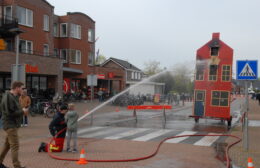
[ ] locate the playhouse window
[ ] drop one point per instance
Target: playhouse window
(219, 98)
(226, 72)
(214, 51)
(199, 73)
(213, 72)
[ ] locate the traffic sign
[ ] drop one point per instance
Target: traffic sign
(247, 70)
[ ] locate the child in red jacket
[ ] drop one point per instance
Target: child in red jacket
(57, 124)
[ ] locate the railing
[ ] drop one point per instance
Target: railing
(8, 22)
(34, 52)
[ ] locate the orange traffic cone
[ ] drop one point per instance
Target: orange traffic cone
(250, 163)
(82, 159)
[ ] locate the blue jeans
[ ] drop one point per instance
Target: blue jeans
(25, 120)
(1, 126)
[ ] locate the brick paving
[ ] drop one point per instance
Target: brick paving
(170, 155)
(237, 153)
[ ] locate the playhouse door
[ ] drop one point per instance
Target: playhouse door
(199, 103)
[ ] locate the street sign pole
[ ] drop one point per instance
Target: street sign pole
(246, 70)
(245, 133)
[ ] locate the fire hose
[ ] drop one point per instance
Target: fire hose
(228, 164)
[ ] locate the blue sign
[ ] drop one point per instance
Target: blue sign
(247, 70)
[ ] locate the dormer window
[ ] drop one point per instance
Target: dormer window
(214, 51)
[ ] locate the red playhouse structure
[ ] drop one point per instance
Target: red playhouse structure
(212, 90)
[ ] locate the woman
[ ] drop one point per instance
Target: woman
(25, 102)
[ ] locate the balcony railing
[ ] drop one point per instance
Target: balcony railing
(9, 22)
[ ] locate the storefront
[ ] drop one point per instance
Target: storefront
(42, 74)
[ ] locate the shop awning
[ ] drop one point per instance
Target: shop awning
(72, 70)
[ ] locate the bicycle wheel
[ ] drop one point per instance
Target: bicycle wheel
(50, 112)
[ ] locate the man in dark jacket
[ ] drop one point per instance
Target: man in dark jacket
(57, 129)
(11, 119)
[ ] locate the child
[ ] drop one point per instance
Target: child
(71, 119)
(25, 102)
(57, 124)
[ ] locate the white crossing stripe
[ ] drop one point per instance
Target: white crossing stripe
(207, 140)
(128, 133)
(177, 140)
(99, 133)
(152, 135)
(89, 129)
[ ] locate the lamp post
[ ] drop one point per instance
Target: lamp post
(16, 31)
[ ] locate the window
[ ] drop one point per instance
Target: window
(91, 36)
(46, 50)
(91, 58)
(214, 51)
(75, 31)
(26, 46)
(46, 22)
(55, 52)
(200, 95)
(75, 56)
(135, 75)
(226, 72)
(200, 72)
(219, 98)
(213, 72)
(63, 30)
(8, 13)
(64, 55)
(43, 83)
(55, 30)
(25, 16)
(132, 75)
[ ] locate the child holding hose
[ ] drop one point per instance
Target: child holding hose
(71, 119)
(57, 129)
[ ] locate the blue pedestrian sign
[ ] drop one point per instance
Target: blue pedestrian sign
(247, 70)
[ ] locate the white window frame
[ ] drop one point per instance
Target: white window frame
(91, 35)
(64, 35)
(64, 60)
(27, 51)
(46, 23)
(78, 57)
(27, 18)
(75, 59)
(55, 52)
(46, 52)
(132, 75)
(91, 54)
(139, 75)
(56, 30)
(5, 15)
(75, 31)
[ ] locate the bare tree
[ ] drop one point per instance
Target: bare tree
(152, 67)
(100, 59)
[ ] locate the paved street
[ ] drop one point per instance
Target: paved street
(119, 141)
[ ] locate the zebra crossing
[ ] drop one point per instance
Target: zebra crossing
(148, 134)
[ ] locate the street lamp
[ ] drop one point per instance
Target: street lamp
(16, 31)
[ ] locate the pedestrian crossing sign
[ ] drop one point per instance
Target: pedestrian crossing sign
(247, 70)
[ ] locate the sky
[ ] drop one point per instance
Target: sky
(169, 31)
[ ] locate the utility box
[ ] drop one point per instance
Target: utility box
(212, 89)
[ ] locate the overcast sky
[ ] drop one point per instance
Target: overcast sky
(169, 31)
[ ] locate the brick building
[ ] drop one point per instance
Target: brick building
(35, 20)
(57, 51)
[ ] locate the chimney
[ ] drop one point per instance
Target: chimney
(215, 35)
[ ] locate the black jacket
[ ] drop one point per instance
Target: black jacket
(57, 124)
(11, 111)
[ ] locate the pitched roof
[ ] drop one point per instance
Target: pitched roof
(124, 64)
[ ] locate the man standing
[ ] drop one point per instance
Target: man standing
(11, 117)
